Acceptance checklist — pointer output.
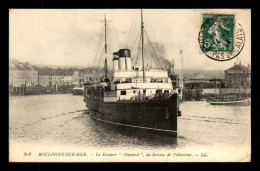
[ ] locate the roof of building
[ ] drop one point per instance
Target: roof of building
(12, 66)
(21, 67)
(237, 67)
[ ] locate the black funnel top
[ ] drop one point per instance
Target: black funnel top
(115, 54)
(124, 53)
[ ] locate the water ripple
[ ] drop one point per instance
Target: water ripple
(64, 119)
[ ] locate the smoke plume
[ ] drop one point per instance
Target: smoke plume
(157, 52)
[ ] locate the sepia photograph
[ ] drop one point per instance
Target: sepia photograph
(129, 85)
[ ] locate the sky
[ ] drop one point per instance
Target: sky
(75, 37)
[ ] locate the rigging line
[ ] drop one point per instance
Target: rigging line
(96, 56)
(153, 49)
(100, 57)
(139, 45)
(138, 49)
(109, 64)
(133, 48)
(109, 50)
(149, 46)
(99, 42)
(148, 30)
(155, 60)
(110, 35)
(134, 32)
(109, 39)
(135, 40)
(110, 32)
(156, 56)
(149, 49)
(108, 44)
(152, 31)
(130, 30)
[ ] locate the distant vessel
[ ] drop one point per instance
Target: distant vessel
(230, 102)
(77, 90)
(137, 97)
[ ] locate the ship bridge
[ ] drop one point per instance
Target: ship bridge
(137, 76)
(129, 85)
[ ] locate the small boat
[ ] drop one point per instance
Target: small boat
(234, 102)
(224, 99)
(77, 90)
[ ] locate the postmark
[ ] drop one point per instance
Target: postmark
(220, 37)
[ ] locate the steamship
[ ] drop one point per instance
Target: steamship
(135, 96)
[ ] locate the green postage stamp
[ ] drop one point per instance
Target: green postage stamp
(220, 37)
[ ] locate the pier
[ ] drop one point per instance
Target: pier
(199, 94)
(34, 90)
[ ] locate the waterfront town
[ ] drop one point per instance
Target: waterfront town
(27, 79)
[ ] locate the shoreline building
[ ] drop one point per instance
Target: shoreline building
(26, 75)
(67, 80)
(238, 76)
(22, 75)
(55, 80)
(76, 76)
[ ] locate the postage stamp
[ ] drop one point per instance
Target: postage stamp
(220, 37)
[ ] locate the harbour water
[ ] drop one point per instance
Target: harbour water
(62, 119)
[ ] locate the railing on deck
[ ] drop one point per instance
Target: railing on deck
(143, 97)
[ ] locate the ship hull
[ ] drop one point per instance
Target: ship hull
(157, 115)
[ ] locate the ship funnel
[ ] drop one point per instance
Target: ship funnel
(124, 59)
(169, 69)
(115, 61)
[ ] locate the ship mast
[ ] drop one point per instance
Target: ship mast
(181, 82)
(142, 36)
(105, 46)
